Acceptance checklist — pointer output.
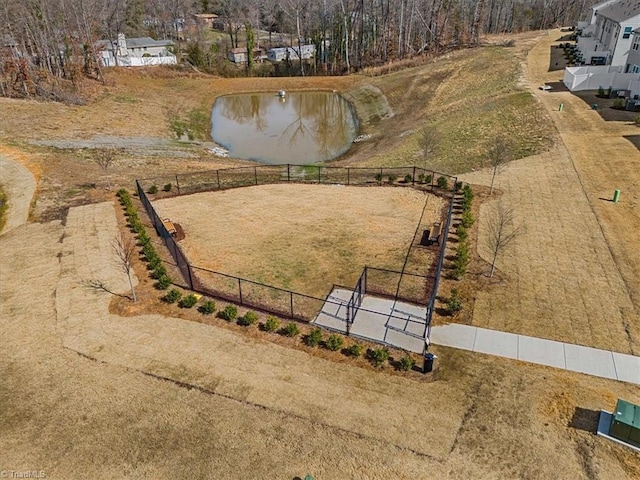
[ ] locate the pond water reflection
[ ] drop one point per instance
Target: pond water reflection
(302, 127)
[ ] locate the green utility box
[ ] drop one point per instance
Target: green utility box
(625, 424)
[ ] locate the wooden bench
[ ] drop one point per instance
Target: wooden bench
(171, 228)
(434, 233)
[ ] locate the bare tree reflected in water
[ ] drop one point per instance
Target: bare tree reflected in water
(301, 128)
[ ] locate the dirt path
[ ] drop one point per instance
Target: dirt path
(19, 185)
(567, 281)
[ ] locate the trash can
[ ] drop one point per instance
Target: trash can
(616, 196)
(429, 358)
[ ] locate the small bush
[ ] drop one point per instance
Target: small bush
(229, 313)
(249, 318)
(355, 350)
(188, 302)
(407, 363)
(163, 282)
(600, 92)
(618, 103)
(462, 232)
(208, 307)
(378, 356)
(271, 325)
(442, 182)
(378, 177)
(153, 189)
(408, 178)
(314, 338)
(172, 296)
(159, 271)
(454, 304)
(334, 342)
(167, 187)
(291, 330)
(467, 219)
(422, 178)
(637, 120)
(457, 186)
(392, 178)
(428, 179)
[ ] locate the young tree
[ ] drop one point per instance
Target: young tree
(428, 141)
(499, 154)
(125, 251)
(502, 232)
(104, 159)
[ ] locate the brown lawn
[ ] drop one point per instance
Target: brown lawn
(303, 238)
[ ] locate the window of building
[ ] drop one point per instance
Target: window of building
(635, 69)
(636, 42)
(627, 32)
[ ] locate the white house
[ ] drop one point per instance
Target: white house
(282, 53)
(135, 52)
(608, 40)
(633, 59)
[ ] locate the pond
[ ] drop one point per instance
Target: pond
(299, 128)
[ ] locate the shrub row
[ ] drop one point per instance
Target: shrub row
(334, 342)
(463, 250)
(159, 272)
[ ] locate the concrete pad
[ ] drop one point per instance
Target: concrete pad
(590, 361)
(406, 342)
(454, 335)
(370, 325)
(497, 343)
(627, 367)
(541, 351)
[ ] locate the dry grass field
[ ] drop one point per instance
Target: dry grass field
(88, 393)
(574, 275)
(304, 238)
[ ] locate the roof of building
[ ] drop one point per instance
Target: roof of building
(139, 42)
(621, 11)
(627, 413)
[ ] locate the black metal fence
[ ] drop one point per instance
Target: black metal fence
(212, 180)
(410, 287)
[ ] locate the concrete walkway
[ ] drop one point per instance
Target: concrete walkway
(591, 361)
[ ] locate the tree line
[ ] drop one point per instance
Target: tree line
(45, 41)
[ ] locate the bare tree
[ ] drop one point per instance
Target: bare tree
(125, 251)
(104, 159)
(499, 154)
(503, 230)
(429, 140)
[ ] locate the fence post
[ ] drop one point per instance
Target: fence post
(291, 303)
(177, 184)
(380, 175)
(190, 276)
(348, 176)
(413, 181)
(319, 170)
(364, 289)
(240, 291)
(255, 173)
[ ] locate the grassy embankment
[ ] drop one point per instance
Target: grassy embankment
(467, 96)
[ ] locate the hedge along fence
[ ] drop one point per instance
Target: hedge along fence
(403, 286)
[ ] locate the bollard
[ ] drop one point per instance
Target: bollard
(561, 107)
(616, 196)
